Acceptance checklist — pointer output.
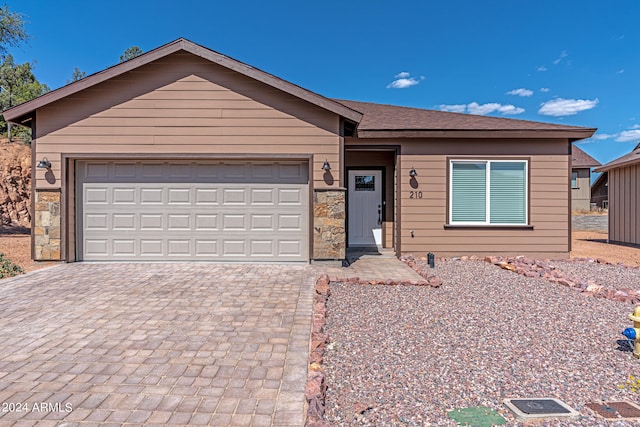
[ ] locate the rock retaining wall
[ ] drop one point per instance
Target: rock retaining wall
(529, 267)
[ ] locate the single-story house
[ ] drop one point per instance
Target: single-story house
(600, 191)
(581, 164)
(624, 197)
(186, 154)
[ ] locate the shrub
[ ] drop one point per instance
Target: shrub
(8, 268)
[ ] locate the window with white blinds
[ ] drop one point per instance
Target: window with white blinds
(488, 192)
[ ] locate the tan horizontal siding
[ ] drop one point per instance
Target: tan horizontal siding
(427, 216)
(185, 105)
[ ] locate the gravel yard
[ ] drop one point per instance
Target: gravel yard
(405, 355)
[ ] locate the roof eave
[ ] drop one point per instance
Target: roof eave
(571, 134)
(583, 166)
(182, 44)
(607, 167)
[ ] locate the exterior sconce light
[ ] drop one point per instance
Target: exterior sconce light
(44, 163)
(413, 173)
(326, 166)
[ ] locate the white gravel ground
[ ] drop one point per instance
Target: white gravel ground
(412, 353)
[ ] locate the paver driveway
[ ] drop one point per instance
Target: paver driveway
(198, 344)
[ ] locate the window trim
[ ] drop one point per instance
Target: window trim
(487, 224)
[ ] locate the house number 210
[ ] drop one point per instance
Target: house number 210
(415, 194)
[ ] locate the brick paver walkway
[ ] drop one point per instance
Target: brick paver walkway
(164, 344)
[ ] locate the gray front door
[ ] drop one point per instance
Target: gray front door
(365, 207)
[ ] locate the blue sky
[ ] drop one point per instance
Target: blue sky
(562, 61)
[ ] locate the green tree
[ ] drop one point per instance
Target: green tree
(12, 31)
(130, 53)
(17, 85)
(78, 74)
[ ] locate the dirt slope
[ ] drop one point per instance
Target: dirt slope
(15, 183)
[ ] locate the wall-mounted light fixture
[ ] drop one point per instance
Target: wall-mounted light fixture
(44, 163)
(326, 166)
(413, 173)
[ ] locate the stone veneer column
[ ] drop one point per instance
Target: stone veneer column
(329, 215)
(47, 222)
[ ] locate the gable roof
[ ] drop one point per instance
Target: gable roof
(600, 180)
(382, 120)
(372, 120)
(627, 160)
(580, 159)
(19, 113)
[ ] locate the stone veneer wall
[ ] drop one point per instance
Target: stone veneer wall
(329, 215)
(47, 223)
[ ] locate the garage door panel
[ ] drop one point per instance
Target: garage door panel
(124, 247)
(125, 170)
(189, 210)
(289, 248)
(151, 247)
(97, 170)
(96, 195)
(288, 222)
(124, 196)
(233, 248)
(206, 222)
(178, 222)
(234, 196)
(263, 196)
(96, 247)
(262, 222)
(262, 248)
(96, 221)
(179, 196)
(123, 222)
(151, 196)
(290, 196)
(206, 196)
(178, 247)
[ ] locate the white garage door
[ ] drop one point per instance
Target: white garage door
(159, 211)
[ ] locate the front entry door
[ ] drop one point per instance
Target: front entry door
(365, 207)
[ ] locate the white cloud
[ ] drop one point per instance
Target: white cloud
(454, 108)
(544, 89)
(601, 136)
(403, 80)
(563, 55)
(620, 71)
(566, 107)
(629, 136)
(520, 92)
(482, 109)
(542, 68)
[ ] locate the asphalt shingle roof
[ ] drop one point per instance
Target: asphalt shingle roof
(580, 159)
(392, 117)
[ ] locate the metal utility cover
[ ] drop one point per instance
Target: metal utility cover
(615, 410)
(539, 408)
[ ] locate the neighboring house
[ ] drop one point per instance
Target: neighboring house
(624, 197)
(186, 154)
(600, 191)
(581, 164)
